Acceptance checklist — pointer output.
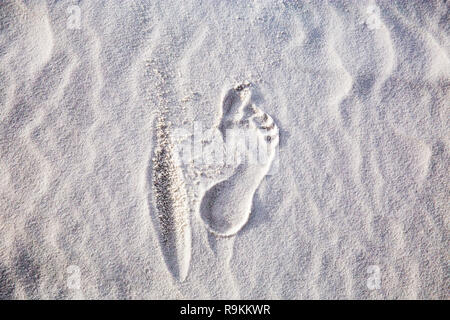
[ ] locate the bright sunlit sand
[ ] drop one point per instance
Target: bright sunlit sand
(224, 149)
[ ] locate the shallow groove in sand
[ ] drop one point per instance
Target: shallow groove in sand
(171, 204)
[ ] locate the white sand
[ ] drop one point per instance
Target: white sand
(95, 201)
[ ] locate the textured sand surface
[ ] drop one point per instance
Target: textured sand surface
(349, 98)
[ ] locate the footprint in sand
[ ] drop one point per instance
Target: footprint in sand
(225, 207)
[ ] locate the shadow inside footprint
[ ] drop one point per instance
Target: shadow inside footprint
(216, 223)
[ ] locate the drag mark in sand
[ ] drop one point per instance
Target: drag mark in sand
(170, 198)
